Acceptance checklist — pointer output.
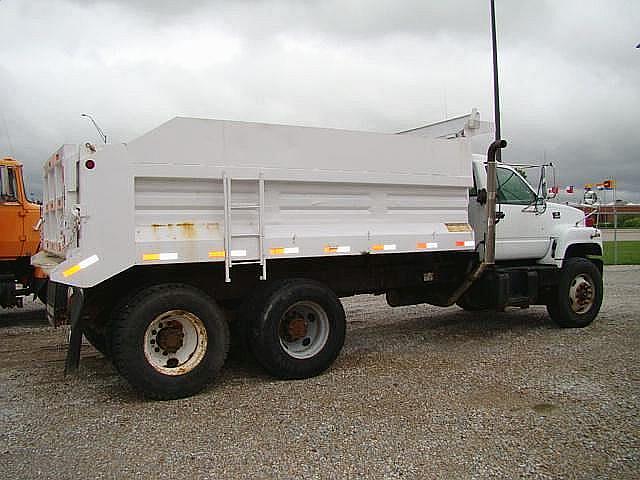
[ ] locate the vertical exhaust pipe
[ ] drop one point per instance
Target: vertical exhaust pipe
(490, 245)
(490, 242)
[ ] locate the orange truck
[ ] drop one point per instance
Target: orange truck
(19, 239)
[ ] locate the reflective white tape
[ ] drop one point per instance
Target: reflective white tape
(343, 249)
(290, 250)
(160, 256)
(469, 243)
(79, 266)
(238, 253)
(390, 247)
(88, 261)
(432, 244)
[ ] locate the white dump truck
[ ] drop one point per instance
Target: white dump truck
(203, 227)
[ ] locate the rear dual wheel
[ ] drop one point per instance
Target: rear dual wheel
(296, 328)
(170, 341)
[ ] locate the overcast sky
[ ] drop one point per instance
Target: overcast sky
(570, 72)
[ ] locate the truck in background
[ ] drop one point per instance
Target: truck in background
(199, 225)
(19, 239)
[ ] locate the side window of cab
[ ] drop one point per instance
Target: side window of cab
(8, 185)
(512, 189)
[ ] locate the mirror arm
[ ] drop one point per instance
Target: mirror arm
(481, 198)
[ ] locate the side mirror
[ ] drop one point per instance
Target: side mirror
(547, 193)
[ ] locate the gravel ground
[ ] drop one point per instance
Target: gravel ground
(418, 392)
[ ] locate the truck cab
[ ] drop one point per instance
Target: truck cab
(20, 235)
(18, 215)
(544, 251)
(529, 226)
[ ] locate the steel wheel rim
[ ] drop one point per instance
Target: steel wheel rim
(175, 342)
(304, 330)
(582, 293)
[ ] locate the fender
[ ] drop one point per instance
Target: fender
(573, 242)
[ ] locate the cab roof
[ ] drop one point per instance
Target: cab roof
(9, 162)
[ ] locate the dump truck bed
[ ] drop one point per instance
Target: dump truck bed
(197, 190)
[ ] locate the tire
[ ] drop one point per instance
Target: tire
(97, 339)
(296, 328)
(169, 341)
(579, 295)
(98, 331)
(41, 288)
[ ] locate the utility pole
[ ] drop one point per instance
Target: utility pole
(615, 224)
(496, 89)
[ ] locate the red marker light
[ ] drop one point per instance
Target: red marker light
(90, 164)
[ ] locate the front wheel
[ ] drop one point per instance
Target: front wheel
(579, 294)
(297, 329)
(170, 341)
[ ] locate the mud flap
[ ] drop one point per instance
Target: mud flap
(75, 340)
(57, 304)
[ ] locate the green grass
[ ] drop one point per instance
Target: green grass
(628, 253)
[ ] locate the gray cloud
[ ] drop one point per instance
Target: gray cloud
(569, 71)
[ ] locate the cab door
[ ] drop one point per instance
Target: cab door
(12, 236)
(520, 233)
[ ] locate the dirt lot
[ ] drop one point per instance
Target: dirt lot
(418, 392)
